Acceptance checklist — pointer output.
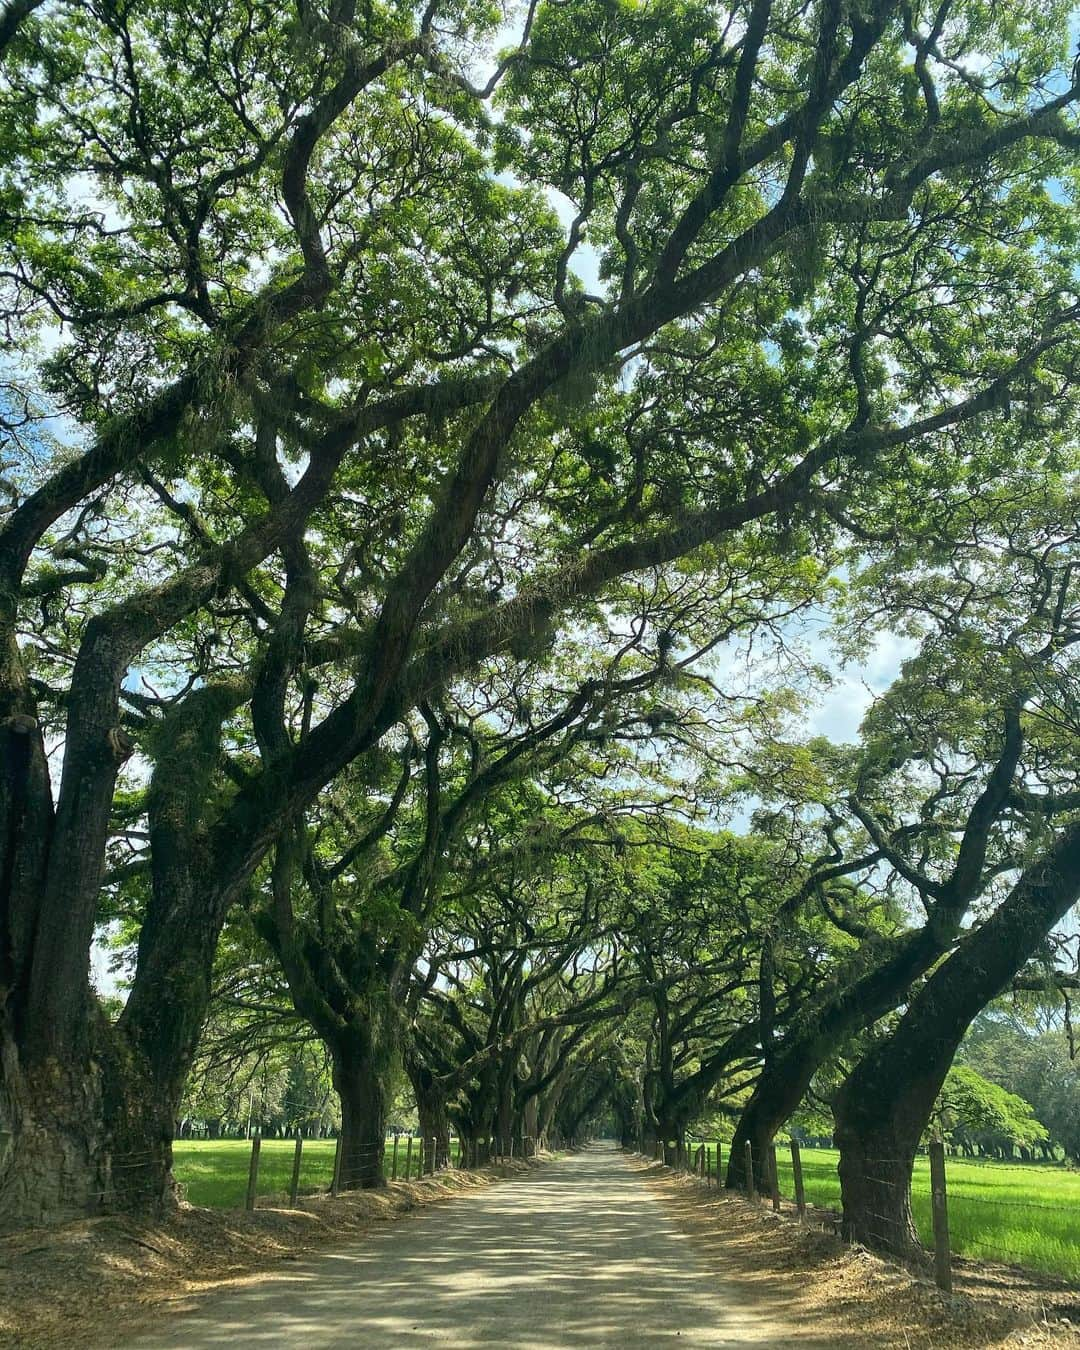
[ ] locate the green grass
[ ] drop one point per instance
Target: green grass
(1025, 1214)
(214, 1172)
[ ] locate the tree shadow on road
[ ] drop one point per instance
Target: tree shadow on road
(578, 1254)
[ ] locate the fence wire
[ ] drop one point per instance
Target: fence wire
(138, 1177)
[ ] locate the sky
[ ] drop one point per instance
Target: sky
(840, 711)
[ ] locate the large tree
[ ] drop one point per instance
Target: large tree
(999, 611)
(339, 418)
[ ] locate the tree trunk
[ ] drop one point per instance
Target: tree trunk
(363, 1059)
(55, 1167)
(778, 1092)
(91, 1107)
(363, 1128)
(431, 1107)
(549, 1102)
(672, 1139)
(877, 1152)
(88, 1137)
(530, 1119)
(505, 1114)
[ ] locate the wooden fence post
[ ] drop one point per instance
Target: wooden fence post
(748, 1155)
(774, 1179)
(718, 1181)
(408, 1156)
(335, 1184)
(393, 1158)
(431, 1156)
(800, 1192)
(294, 1184)
(940, 1210)
(253, 1172)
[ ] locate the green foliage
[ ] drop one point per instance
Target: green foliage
(970, 1106)
(420, 487)
(1038, 1065)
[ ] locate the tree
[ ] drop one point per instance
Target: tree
(328, 383)
(1039, 1067)
(970, 1106)
(694, 934)
(1000, 615)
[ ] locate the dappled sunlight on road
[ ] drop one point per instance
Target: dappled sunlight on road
(576, 1254)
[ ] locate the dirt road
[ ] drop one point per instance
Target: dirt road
(579, 1253)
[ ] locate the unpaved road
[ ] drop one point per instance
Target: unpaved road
(578, 1253)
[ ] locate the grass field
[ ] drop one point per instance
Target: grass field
(214, 1172)
(1022, 1214)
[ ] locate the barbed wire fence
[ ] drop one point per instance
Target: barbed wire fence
(134, 1177)
(279, 1173)
(1030, 1234)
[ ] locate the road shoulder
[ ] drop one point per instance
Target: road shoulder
(812, 1277)
(73, 1285)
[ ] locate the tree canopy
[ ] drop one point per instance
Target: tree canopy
(441, 447)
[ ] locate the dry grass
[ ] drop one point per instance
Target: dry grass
(812, 1278)
(74, 1286)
